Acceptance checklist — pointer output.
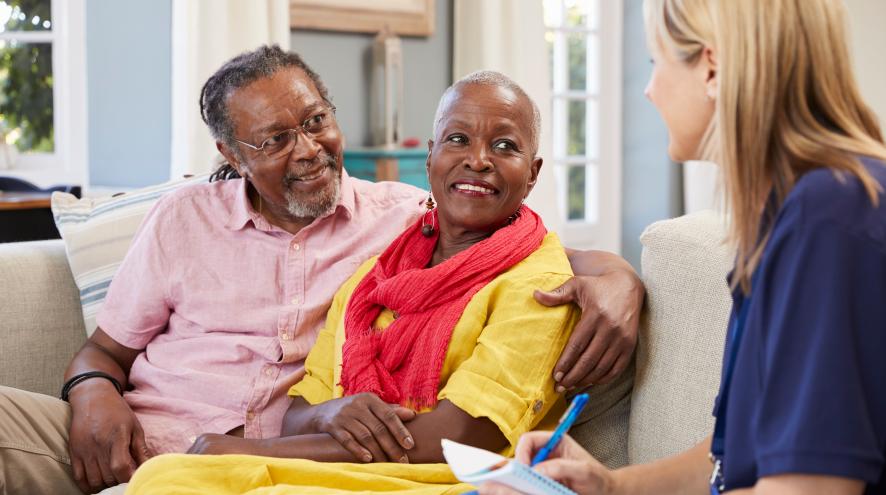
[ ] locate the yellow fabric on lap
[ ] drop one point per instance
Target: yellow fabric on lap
(181, 474)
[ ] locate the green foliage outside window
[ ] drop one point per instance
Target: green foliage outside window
(26, 104)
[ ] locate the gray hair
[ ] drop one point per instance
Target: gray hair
(493, 78)
(242, 70)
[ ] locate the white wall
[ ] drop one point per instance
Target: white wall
(868, 39)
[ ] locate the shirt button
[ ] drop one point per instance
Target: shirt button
(192, 438)
(296, 247)
(294, 301)
(269, 371)
(284, 336)
(536, 408)
(250, 415)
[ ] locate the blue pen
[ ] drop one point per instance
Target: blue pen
(569, 417)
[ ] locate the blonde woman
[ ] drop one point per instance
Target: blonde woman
(765, 89)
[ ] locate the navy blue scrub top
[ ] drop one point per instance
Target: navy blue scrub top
(808, 395)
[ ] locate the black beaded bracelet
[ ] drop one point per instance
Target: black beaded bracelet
(74, 380)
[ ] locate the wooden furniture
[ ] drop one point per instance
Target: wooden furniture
(26, 216)
(23, 200)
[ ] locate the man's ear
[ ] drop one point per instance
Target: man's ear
(231, 158)
(534, 170)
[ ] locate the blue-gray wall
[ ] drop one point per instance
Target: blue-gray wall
(651, 184)
(344, 61)
(128, 58)
(128, 49)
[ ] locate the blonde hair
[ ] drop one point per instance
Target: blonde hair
(787, 102)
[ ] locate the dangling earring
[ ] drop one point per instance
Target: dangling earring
(427, 229)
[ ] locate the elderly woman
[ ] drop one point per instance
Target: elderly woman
(443, 323)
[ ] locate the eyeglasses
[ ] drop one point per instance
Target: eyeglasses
(283, 142)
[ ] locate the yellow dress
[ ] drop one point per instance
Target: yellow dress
(498, 365)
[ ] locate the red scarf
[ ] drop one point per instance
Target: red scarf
(402, 364)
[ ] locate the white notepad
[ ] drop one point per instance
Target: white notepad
(475, 466)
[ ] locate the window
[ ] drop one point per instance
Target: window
(42, 90)
(586, 81)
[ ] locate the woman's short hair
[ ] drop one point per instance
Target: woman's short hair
(493, 78)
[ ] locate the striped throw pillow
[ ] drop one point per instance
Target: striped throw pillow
(97, 233)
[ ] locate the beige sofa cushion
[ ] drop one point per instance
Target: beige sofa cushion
(685, 263)
(40, 321)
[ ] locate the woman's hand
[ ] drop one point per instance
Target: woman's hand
(369, 428)
(568, 464)
(604, 339)
(218, 444)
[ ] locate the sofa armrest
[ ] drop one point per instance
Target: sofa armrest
(682, 333)
(41, 324)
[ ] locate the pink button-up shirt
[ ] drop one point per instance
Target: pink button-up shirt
(226, 306)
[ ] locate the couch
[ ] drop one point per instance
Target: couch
(684, 265)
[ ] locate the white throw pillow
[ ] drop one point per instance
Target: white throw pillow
(97, 233)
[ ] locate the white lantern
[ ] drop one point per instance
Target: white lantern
(386, 101)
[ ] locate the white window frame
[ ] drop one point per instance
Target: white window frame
(68, 163)
(604, 202)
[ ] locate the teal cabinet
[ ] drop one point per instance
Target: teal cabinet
(378, 164)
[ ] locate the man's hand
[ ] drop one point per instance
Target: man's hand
(604, 339)
(107, 442)
(367, 427)
(568, 464)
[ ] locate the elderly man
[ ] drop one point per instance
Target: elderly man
(210, 316)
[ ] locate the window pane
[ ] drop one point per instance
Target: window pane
(26, 95)
(577, 132)
(583, 14)
(25, 15)
(577, 13)
(576, 196)
(553, 13)
(578, 49)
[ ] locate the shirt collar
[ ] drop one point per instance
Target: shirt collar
(347, 199)
(243, 212)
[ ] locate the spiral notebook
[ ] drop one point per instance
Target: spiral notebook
(475, 466)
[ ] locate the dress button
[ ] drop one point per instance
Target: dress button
(536, 408)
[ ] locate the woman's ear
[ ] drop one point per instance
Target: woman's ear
(709, 59)
(534, 169)
(428, 159)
